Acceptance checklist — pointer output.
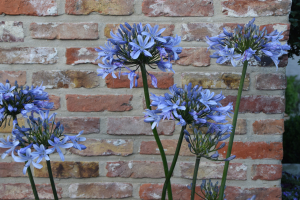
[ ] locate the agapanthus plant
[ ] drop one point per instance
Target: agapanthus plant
(135, 48)
(196, 107)
(45, 137)
(243, 45)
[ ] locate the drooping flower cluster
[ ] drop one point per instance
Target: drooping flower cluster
(15, 100)
(246, 43)
(44, 135)
(137, 46)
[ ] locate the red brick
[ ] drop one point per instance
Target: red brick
(100, 190)
(76, 56)
(64, 31)
(266, 61)
(268, 126)
(237, 193)
(28, 55)
(150, 148)
(216, 80)
(199, 31)
(258, 103)
(153, 8)
(11, 31)
(12, 169)
(32, 7)
(24, 191)
(255, 150)
(66, 79)
(237, 171)
(104, 7)
(285, 28)
(270, 82)
(98, 103)
(245, 8)
(164, 80)
(137, 126)
(241, 126)
(99, 147)
(56, 100)
(114, 27)
(135, 169)
(13, 76)
(266, 172)
(73, 125)
(69, 169)
(198, 57)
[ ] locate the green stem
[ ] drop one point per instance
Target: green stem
(195, 178)
(236, 112)
(36, 196)
(163, 196)
(51, 180)
(157, 139)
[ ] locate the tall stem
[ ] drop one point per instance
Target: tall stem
(51, 180)
(157, 139)
(195, 177)
(236, 112)
(163, 197)
(36, 196)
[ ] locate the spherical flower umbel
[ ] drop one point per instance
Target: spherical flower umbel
(246, 43)
(138, 46)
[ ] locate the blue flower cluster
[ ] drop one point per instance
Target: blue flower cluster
(246, 43)
(15, 100)
(136, 46)
(290, 186)
(42, 134)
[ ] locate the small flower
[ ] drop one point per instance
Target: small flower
(57, 144)
(154, 34)
(76, 139)
(8, 144)
(141, 46)
(41, 152)
(28, 157)
(153, 117)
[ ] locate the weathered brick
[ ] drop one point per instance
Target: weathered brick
(66, 79)
(255, 150)
(56, 100)
(104, 7)
(64, 31)
(198, 57)
(153, 191)
(7, 128)
(258, 103)
(215, 80)
(100, 190)
(150, 148)
(114, 27)
(76, 56)
(12, 169)
(198, 31)
(270, 82)
(153, 8)
(164, 80)
(245, 8)
(98, 147)
(32, 7)
(69, 169)
(24, 191)
(268, 126)
(266, 172)
(12, 76)
(28, 55)
(11, 31)
(281, 27)
(98, 103)
(137, 126)
(74, 125)
(237, 193)
(237, 171)
(135, 169)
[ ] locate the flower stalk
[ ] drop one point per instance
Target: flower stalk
(51, 179)
(197, 163)
(234, 121)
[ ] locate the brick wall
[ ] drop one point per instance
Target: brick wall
(53, 41)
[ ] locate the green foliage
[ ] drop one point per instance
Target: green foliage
(294, 39)
(292, 96)
(291, 140)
